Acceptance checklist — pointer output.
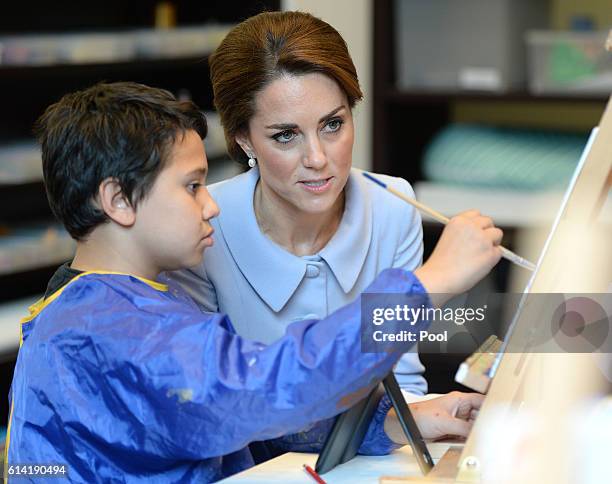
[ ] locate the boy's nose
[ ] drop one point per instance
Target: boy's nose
(210, 209)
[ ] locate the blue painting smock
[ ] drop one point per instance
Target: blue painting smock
(125, 380)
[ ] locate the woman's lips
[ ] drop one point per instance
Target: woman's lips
(317, 186)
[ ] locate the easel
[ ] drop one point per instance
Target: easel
(516, 381)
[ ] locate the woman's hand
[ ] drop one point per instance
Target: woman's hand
(467, 250)
(450, 415)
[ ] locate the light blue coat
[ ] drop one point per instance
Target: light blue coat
(263, 287)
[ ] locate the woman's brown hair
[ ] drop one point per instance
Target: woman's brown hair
(263, 48)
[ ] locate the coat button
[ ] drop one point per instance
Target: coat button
(312, 271)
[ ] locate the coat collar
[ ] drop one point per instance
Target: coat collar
(275, 273)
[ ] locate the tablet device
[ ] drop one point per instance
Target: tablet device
(409, 425)
(348, 431)
(350, 428)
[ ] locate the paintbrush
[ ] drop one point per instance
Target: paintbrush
(506, 254)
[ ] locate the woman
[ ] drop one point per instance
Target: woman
(301, 233)
(321, 232)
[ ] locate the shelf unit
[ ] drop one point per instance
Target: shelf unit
(26, 90)
(406, 121)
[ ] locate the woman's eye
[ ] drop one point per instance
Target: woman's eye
(333, 125)
(284, 136)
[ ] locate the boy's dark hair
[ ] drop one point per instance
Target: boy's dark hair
(121, 130)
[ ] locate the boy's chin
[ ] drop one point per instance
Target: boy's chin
(197, 260)
(190, 263)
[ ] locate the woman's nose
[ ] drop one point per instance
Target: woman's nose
(315, 157)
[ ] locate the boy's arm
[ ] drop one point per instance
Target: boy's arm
(200, 391)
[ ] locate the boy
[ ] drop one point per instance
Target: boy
(120, 377)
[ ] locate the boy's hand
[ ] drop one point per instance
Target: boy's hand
(452, 414)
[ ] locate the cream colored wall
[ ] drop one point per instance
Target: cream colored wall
(352, 18)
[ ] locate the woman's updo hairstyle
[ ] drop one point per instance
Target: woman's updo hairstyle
(262, 49)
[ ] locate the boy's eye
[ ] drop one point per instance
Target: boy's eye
(284, 136)
(333, 125)
(193, 187)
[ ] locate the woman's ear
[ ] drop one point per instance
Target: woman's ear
(245, 143)
(115, 204)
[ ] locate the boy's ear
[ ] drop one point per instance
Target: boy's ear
(245, 143)
(115, 204)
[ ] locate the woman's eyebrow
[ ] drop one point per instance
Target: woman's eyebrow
(294, 126)
(282, 126)
(331, 113)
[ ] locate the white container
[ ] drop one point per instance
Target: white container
(102, 47)
(179, 42)
(572, 63)
(20, 162)
(464, 44)
(85, 48)
(96, 47)
(35, 50)
(35, 246)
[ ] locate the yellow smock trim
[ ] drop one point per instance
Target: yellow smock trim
(42, 303)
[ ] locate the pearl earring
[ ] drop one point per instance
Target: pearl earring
(252, 161)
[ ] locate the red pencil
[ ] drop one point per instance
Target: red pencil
(314, 474)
